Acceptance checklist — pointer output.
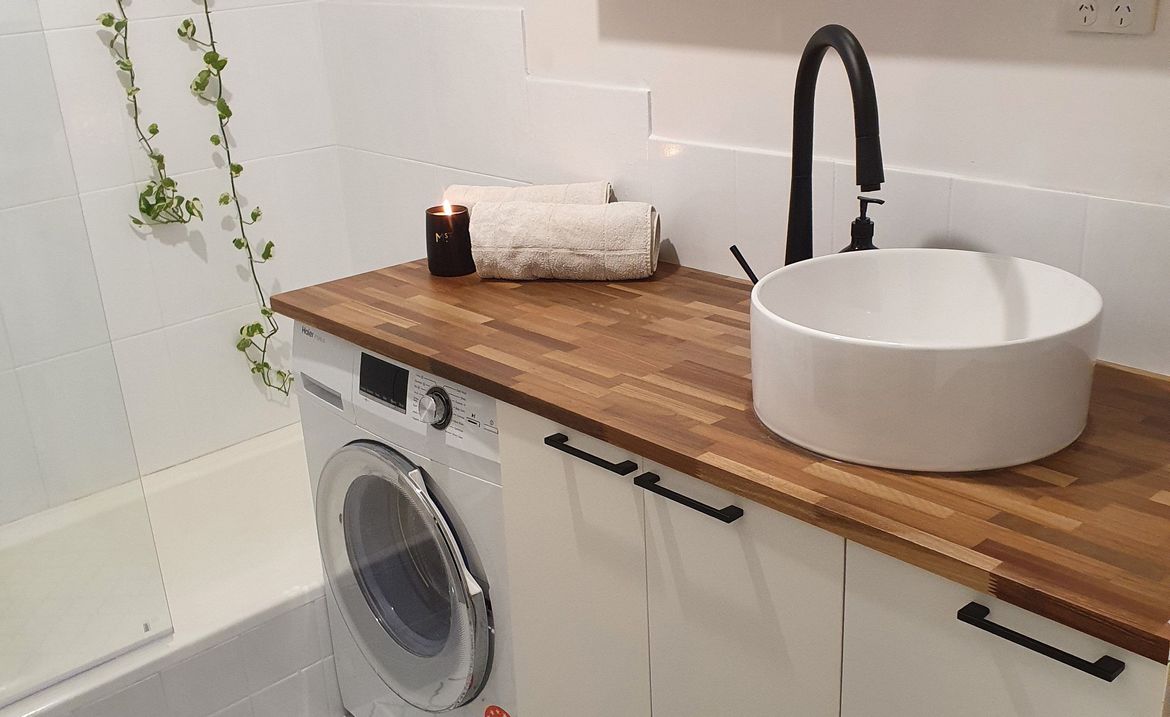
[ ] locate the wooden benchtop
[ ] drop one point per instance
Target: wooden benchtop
(661, 368)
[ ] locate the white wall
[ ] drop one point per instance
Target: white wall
(1001, 131)
(82, 412)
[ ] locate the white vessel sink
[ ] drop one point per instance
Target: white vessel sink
(924, 359)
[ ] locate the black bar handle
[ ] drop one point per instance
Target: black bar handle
(649, 481)
(747, 269)
(560, 442)
(1105, 668)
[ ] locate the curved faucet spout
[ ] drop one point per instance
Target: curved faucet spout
(870, 172)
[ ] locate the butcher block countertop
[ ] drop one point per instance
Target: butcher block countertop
(661, 368)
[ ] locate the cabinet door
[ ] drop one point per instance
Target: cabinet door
(745, 617)
(577, 570)
(908, 655)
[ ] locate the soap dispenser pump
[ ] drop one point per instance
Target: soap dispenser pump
(861, 232)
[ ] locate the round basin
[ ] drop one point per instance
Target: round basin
(924, 359)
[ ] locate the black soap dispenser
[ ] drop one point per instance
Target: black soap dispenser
(861, 232)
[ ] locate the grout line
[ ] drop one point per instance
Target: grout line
(429, 164)
(841, 669)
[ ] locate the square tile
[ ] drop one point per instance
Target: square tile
(23, 492)
(915, 213)
(162, 436)
(1127, 250)
(1034, 224)
(395, 119)
(206, 683)
(142, 699)
(694, 191)
(762, 185)
(288, 698)
(586, 132)
(19, 16)
(49, 294)
(282, 646)
(80, 452)
(385, 199)
(36, 163)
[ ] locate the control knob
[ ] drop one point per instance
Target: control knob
(435, 407)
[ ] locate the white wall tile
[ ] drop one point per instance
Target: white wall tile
(19, 16)
(243, 708)
(915, 213)
(80, 451)
(193, 394)
(395, 117)
(1127, 252)
(475, 56)
(155, 414)
(385, 200)
(49, 294)
(587, 132)
(762, 184)
(332, 692)
(268, 77)
(1029, 223)
(21, 489)
(206, 683)
(288, 698)
(142, 699)
(319, 690)
(35, 164)
(480, 116)
(694, 191)
(286, 644)
(301, 195)
(122, 261)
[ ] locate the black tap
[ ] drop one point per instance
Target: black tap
(870, 173)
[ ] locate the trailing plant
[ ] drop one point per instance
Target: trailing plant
(255, 338)
(159, 202)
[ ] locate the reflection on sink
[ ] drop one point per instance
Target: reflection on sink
(924, 359)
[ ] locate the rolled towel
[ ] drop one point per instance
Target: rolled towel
(582, 193)
(536, 240)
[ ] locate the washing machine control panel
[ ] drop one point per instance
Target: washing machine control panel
(423, 412)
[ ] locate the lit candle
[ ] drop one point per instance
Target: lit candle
(449, 241)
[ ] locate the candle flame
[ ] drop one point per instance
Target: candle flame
(447, 207)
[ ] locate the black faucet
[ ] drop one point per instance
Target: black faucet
(870, 173)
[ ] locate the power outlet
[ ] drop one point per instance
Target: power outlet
(1118, 17)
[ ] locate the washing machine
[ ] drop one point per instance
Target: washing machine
(406, 477)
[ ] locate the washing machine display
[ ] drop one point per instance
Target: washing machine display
(400, 578)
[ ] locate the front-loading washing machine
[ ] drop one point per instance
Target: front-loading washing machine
(406, 477)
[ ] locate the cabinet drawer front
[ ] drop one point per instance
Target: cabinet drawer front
(908, 653)
(576, 554)
(745, 616)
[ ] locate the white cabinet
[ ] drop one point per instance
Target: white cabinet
(574, 539)
(906, 654)
(745, 617)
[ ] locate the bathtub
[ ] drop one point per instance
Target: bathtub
(237, 547)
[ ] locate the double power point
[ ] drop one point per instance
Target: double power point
(1118, 17)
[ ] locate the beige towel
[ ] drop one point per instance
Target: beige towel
(533, 240)
(583, 193)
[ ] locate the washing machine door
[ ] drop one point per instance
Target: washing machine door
(400, 579)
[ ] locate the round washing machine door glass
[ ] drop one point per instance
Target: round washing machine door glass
(400, 579)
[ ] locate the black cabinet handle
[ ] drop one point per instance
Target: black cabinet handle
(1105, 668)
(649, 481)
(560, 442)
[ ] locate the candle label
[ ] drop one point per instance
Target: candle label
(443, 236)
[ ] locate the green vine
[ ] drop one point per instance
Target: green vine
(159, 202)
(255, 338)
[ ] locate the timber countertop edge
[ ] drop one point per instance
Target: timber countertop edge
(660, 368)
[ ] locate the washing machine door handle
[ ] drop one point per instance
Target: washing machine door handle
(474, 589)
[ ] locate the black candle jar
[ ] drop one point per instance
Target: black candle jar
(449, 241)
